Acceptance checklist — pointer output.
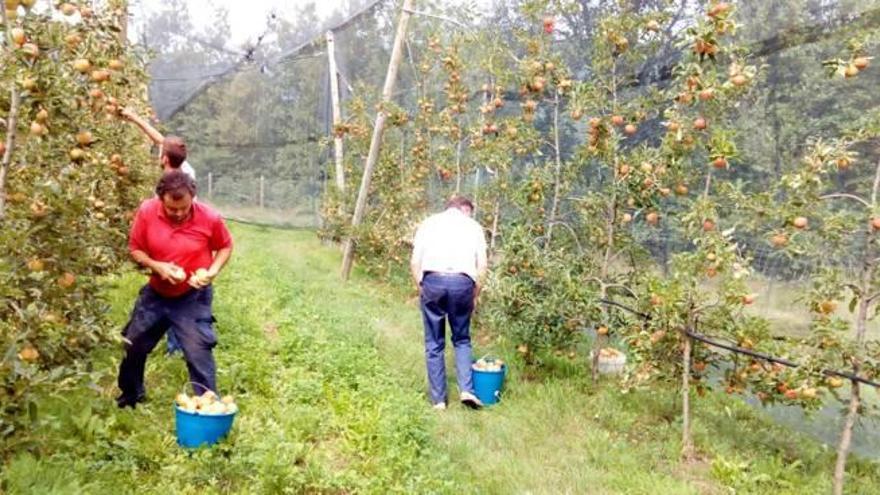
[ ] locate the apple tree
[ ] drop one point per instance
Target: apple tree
(70, 178)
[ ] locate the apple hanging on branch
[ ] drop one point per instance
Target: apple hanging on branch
(548, 22)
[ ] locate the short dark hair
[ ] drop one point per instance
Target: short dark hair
(459, 202)
(177, 184)
(175, 149)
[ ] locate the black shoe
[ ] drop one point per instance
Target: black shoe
(124, 401)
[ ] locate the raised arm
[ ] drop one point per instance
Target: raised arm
(154, 135)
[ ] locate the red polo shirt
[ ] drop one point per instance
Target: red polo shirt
(190, 245)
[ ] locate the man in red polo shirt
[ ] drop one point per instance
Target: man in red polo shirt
(185, 244)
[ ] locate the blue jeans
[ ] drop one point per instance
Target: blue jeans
(172, 342)
(192, 318)
(445, 297)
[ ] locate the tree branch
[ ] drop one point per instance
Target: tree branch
(573, 234)
(846, 196)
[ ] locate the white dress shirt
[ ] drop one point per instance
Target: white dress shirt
(450, 242)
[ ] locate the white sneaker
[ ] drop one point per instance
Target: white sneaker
(470, 400)
(440, 406)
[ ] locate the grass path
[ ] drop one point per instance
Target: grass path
(330, 382)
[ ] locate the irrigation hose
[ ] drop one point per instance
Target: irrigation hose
(748, 352)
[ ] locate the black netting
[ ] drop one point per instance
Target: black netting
(259, 121)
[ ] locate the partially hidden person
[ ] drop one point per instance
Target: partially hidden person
(172, 156)
(173, 148)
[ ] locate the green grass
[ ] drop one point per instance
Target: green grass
(302, 216)
(330, 381)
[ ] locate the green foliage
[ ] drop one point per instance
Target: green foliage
(74, 178)
(318, 410)
(540, 301)
(330, 381)
(669, 109)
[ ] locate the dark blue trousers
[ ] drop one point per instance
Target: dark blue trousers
(192, 320)
(171, 337)
(447, 298)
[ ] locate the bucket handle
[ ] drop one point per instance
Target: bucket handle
(491, 359)
(205, 388)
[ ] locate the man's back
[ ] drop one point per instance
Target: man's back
(449, 241)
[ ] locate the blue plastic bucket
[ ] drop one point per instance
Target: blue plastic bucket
(488, 384)
(195, 430)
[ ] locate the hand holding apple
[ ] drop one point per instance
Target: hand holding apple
(202, 278)
(169, 272)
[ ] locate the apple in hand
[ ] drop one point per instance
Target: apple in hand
(178, 274)
(200, 278)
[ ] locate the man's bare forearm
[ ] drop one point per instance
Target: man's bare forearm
(143, 259)
(220, 259)
(144, 126)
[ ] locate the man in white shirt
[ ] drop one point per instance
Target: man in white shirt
(448, 264)
(157, 138)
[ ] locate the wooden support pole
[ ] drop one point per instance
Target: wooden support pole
(262, 191)
(210, 185)
(337, 112)
(378, 130)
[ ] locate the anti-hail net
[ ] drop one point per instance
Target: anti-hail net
(259, 121)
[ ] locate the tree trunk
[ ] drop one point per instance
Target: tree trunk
(600, 340)
(609, 239)
(865, 287)
(556, 177)
(846, 439)
(687, 441)
(376, 141)
(603, 274)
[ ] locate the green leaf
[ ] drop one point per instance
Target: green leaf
(32, 411)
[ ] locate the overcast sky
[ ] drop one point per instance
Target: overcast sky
(247, 18)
